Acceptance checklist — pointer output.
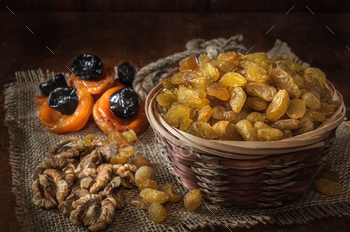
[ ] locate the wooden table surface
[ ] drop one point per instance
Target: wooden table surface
(141, 38)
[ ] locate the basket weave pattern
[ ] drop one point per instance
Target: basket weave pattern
(232, 173)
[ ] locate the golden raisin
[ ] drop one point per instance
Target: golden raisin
(202, 130)
(204, 114)
(278, 106)
(192, 98)
(117, 159)
(296, 108)
(269, 134)
(153, 195)
(245, 128)
(237, 99)
(262, 90)
(192, 200)
(311, 101)
(145, 171)
(173, 196)
(177, 114)
(220, 128)
(231, 57)
(168, 85)
(156, 212)
(203, 59)
(329, 175)
(218, 112)
(233, 79)
(88, 140)
(143, 182)
(286, 124)
(218, 90)
(292, 65)
(188, 63)
(257, 103)
(224, 66)
(317, 73)
(306, 126)
(166, 98)
(256, 117)
(284, 81)
(328, 187)
(257, 73)
(315, 116)
(140, 203)
(140, 161)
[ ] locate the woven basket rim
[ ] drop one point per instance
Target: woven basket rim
(244, 149)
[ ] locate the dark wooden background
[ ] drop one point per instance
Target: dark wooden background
(178, 5)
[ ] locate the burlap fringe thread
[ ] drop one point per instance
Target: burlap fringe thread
(302, 214)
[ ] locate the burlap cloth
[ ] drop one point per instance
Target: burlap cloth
(30, 141)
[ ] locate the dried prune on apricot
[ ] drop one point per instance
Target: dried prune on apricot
(87, 67)
(126, 74)
(124, 102)
(64, 99)
(55, 82)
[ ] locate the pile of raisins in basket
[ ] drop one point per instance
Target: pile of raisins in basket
(245, 97)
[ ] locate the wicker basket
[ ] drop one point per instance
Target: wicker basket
(236, 173)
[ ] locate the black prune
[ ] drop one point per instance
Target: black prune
(87, 67)
(126, 74)
(64, 100)
(55, 82)
(124, 102)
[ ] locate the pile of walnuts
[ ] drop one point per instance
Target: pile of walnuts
(79, 179)
(86, 180)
